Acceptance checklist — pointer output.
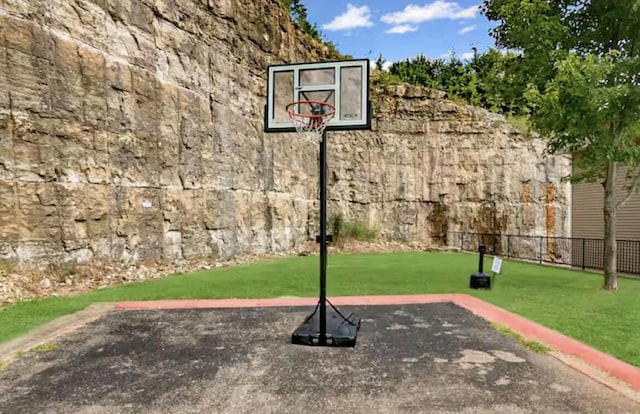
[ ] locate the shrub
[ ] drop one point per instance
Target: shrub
(344, 230)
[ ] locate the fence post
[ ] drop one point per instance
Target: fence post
(540, 249)
(636, 270)
(462, 241)
(583, 248)
(508, 244)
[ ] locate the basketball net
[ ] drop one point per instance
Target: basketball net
(311, 126)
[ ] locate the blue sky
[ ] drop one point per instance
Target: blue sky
(400, 29)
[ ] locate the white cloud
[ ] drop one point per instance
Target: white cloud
(467, 56)
(386, 65)
(402, 29)
(439, 9)
(353, 18)
(467, 29)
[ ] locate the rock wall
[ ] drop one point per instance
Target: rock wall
(132, 130)
(431, 168)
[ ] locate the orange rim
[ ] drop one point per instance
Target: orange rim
(313, 116)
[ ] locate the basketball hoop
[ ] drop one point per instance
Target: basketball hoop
(326, 95)
(310, 118)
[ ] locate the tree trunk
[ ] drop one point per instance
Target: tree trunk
(610, 244)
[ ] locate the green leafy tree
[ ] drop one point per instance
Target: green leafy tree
(581, 59)
(482, 81)
(419, 70)
(496, 89)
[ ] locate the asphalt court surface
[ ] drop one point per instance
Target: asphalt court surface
(432, 358)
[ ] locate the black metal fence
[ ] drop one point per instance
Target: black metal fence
(575, 252)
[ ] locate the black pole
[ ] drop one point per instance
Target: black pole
(481, 249)
(323, 239)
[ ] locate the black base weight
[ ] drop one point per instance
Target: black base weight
(480, 281)
(340, 330)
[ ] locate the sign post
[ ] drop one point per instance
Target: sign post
(480, 280)
(497, 265)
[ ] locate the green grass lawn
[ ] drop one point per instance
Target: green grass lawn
(571, 302)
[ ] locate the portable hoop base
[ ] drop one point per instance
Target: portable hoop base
(339, 330)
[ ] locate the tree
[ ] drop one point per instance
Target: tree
(380, 62)
(581, 59)
(482, 81)
(419, 71)
(497, 89)
(298, 13)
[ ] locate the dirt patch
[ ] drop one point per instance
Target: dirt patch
(26, 283)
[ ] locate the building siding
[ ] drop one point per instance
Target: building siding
(588, 215)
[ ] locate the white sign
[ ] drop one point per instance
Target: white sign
(497, 265)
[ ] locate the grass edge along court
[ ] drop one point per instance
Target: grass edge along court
(569, 301)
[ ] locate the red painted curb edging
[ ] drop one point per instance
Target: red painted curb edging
(530, 330)
(555, 340)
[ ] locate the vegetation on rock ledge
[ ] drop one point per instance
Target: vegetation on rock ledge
(298, 13)
(482, 81)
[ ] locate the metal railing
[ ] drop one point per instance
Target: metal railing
(575, 252)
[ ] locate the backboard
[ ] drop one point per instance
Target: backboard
(344, 84)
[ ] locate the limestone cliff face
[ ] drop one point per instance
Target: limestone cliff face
(133, 130)
(432, 167)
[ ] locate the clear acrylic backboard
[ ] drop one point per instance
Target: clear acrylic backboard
(343, 84)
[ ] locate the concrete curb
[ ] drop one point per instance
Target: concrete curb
(609, 371)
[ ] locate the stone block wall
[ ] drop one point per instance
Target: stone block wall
(133, 130)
